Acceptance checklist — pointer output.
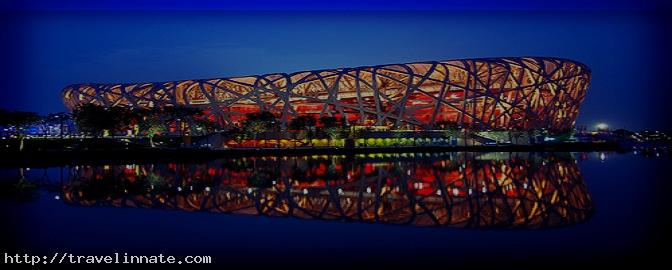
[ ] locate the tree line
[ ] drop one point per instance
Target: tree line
(265, 123)
(97, 121)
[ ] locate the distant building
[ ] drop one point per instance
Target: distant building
(654, 136)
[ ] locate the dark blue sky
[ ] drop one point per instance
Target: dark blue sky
(50, 46)
(375, 5)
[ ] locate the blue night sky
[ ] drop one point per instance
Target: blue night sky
(48, 45)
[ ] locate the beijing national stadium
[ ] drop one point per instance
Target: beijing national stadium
(490, 93)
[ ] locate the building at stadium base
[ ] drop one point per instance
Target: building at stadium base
(492, 93)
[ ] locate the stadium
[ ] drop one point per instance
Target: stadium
(489, 93)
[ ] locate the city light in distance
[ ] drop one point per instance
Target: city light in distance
(601, 126)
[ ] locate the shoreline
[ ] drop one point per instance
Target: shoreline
(34, 157)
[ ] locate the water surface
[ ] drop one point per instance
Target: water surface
(376, 208)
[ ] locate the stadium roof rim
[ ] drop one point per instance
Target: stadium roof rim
(583, 66)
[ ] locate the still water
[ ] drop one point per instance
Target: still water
(367, 209)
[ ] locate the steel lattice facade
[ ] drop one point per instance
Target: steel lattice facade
(526, 92)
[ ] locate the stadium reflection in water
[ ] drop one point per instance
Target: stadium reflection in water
(475, 190)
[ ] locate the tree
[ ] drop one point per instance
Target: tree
(260, 122)
(200, 127)
(516, 135)
(398, 135)
(446, 124)
(469, 131)
(95, 119)
(181, 115)
(329, 121)
(451, 133)
(151, 123)
(235, 133)
(304, 124)
(535, 133)
(331, 128)
(360, 133)
(450, 129)
(17, 118)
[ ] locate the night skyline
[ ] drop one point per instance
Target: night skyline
(350, 134)
(53, 48)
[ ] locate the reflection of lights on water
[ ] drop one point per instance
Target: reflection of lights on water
(496, 183)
